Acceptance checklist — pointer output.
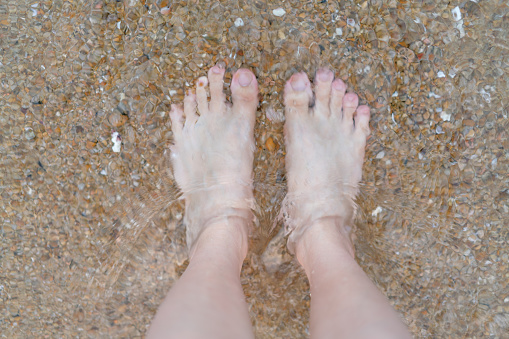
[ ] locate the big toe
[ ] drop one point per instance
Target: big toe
(244, 89)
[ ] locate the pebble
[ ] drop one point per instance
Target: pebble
(117, 142)
(445, 116)
(239, 22)
(270, 144)
(279, 12)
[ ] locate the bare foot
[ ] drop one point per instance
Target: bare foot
(325, 151)
(213, 152)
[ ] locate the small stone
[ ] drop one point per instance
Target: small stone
(239, 22)
(468, 122)
(29, 134)
(445, 116)
(116, 119)
(270, 144)
(90, 144)
(470, 134)
(165, 10)
(79, 315)
(279, 12)
(380, 155)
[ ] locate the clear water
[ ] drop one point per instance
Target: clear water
(92, 239)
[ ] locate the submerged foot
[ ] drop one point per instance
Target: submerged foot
(325, 137)
(213, 152)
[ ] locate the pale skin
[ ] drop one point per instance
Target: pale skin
(212, 159)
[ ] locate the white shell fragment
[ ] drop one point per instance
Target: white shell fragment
(279, 12)
(239, 22)
(445, 116)
(456, 13)
(441, 74)
(117, 142)
(350, 22)
(377, 210)
(339, 31)
(456, 16)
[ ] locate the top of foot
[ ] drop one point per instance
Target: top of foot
(213, 152)
(325, 136)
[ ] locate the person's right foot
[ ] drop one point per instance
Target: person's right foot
(324, 151)
(213, 152)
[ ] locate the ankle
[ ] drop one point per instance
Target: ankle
(327, 237)
(225, 239)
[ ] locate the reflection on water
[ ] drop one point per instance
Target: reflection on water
(92, 239)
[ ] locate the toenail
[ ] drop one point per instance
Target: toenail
(337, 85)
(298, 84)
(245, 79)
(216, 69)
(324, 76)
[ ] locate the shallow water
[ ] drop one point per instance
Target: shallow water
(92, 239)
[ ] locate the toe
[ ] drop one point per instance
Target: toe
(244, 89)
(323, 82)
(361, 119)
(190, 109)
(201, 95)
(350, 103)
(177, 120)
(337, 93)
(217, 97)
(298, 94)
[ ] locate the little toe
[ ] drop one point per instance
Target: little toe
(361, 119)
(337, 93)
(201, 95)
(190, 109)
(244, 89)
(323, 83)
(177, 120)
(298, 94)
(217, 97)
(350, 103)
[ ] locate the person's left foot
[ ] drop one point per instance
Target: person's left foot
(213, 152)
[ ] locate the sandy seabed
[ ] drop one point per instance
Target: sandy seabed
(92, 239)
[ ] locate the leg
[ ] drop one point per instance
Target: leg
(345, 303)
(208, 301)
(325, 151)
(212, 161)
